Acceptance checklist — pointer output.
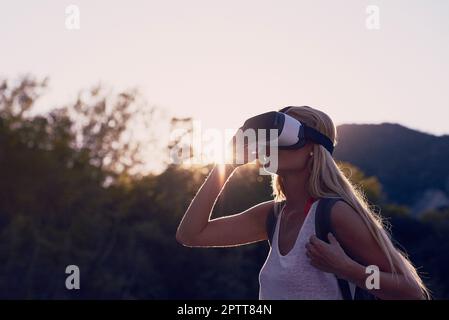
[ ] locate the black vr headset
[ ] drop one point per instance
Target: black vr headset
(292, 134)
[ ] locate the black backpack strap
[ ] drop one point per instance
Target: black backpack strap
(271, 220)
(270, 223)
(322, 227)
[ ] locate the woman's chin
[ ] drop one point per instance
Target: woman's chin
(270, 168)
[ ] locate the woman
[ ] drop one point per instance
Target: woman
(299, 265)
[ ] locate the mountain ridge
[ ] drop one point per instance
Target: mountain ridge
(407, 162)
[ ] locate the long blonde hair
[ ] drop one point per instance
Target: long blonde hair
(328, 180)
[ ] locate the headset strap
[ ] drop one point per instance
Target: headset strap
(314, 135)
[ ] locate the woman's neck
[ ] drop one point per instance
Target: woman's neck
(295, 188)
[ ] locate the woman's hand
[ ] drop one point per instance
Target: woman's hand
(328, 257)
(241, 152)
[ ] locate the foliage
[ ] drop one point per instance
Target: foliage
(57, 210)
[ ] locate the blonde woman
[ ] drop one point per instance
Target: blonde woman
(299, 265)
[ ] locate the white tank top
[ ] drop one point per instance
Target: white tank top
(292, 277)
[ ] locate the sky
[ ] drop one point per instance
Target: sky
(224, 61)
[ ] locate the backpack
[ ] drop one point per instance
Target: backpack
(349, 291)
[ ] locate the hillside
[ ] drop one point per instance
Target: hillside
(412, 166)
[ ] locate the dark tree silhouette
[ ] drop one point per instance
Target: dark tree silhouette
(68, 196)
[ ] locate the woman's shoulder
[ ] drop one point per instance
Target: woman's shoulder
(345, 218)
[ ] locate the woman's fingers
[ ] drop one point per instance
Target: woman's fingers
(244, 149)
(332, 239)
(318, 244)
(242, 152)
(311, 251)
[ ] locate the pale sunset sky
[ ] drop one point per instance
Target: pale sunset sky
(223, 61)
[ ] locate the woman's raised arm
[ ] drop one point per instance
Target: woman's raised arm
(196, 230)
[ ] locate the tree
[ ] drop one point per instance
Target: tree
(370, 185)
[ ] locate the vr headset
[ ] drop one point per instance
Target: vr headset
(292, 134)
